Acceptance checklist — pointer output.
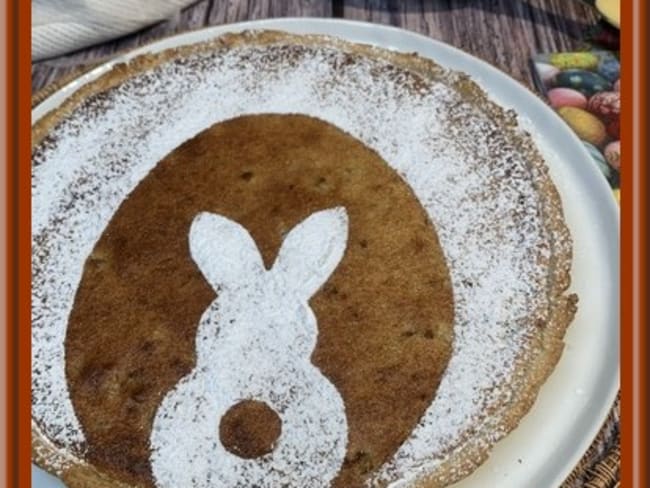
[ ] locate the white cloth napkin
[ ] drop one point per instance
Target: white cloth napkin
(61, 26)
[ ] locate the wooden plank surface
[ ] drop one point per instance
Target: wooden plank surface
(502, 32)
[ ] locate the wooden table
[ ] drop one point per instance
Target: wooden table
(503, 32)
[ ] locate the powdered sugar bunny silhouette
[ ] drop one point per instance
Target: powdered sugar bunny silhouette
(254, 342)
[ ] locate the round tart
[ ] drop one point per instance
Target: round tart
(280, 260)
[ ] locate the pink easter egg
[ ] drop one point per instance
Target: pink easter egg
(566, 97)
(613, 154)
(605, 104)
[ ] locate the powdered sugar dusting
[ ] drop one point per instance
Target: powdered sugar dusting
(254, 342)
(474, 184)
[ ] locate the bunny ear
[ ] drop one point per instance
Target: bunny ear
(224, 251)
(312, 250)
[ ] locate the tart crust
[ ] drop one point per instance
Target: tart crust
(532, 367)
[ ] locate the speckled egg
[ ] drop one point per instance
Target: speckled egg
(546, 72)
(574, 60)
(585, 82)
(566, 97)
(609, 68)
(599, 160)
(614, 128)
(613, 154)
(617, 85)
(605, 104)
(588, 127)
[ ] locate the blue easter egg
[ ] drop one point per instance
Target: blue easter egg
(585, 82)
(610, 68)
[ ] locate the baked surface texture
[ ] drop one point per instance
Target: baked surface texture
(437, 327)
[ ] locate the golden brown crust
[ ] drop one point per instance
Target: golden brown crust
(534, 366)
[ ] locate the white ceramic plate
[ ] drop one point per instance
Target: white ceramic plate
(574, 402)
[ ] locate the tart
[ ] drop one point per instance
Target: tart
(283, 260)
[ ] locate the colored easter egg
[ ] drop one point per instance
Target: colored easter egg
(584, 81)
(588, 127)
(566, 97)
(614, 128)
(605, 104)
(574, 60)
(609, 67)
(613, 154)
(617, 85)
(599, 160)
(546, 72)
(610, 10)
